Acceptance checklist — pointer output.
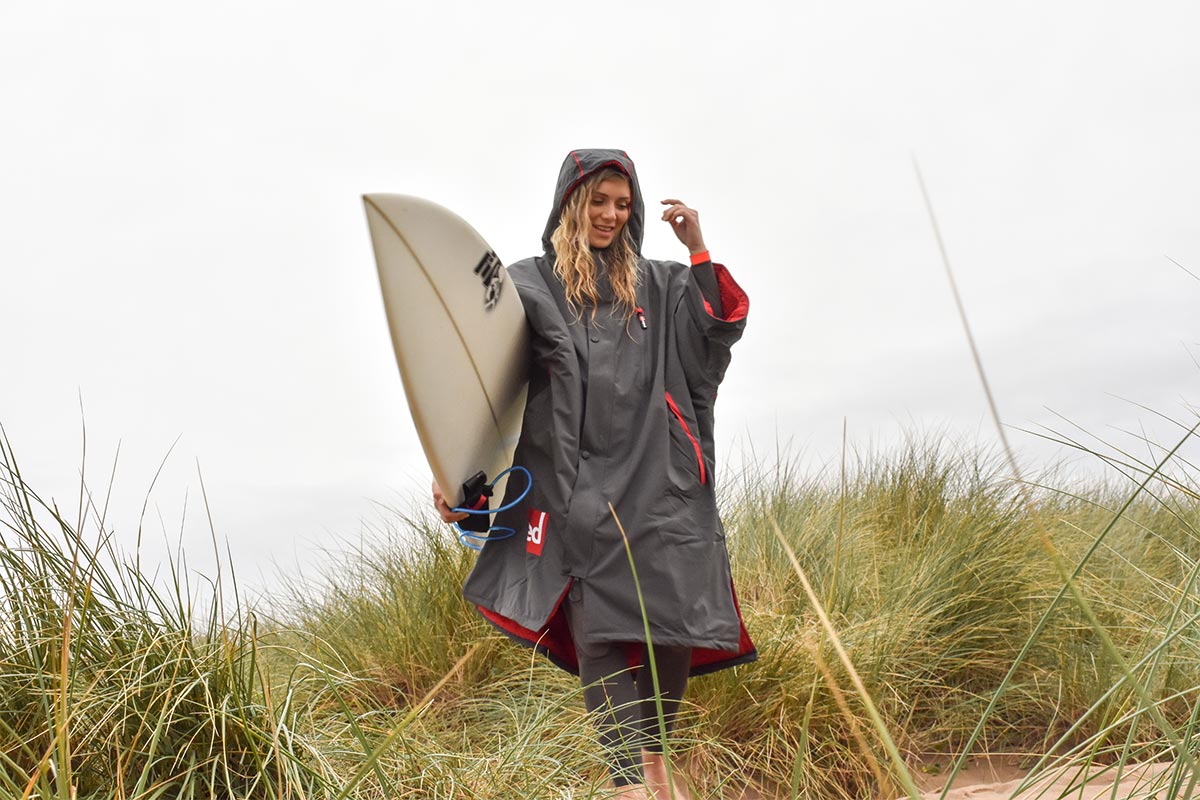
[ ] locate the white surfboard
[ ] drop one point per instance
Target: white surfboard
(459, 332)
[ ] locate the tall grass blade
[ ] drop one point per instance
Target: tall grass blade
(1069, 578)
(909, 786)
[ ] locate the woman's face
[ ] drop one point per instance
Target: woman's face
(608, 211)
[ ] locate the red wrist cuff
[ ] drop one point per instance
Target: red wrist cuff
(700, 258)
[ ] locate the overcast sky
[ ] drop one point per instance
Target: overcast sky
(183, 244)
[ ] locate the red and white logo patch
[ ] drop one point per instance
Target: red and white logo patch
(538, 521)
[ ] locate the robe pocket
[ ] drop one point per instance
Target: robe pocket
(686, 468)
(688, 517)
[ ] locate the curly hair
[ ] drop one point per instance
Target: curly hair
(573, 262)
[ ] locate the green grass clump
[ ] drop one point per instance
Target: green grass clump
(111, 685)
(391, 608)
(935, 571)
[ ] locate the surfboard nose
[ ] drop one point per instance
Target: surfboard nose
(383, 201)
(459, 337)
(405, 209)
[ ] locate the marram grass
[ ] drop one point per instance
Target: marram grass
(377, 680)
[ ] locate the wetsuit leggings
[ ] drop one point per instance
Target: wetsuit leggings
(623, 706)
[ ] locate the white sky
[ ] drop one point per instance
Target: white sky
(183, 244)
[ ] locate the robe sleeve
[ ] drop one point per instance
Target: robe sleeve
(705, 276)
(706, 330)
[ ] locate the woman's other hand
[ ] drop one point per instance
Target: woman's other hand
(686, 224)
(443, 508)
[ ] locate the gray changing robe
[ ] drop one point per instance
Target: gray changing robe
(618, 413)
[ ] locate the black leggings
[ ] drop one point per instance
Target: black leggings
(623, 707)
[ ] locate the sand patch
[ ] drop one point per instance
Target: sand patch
(1136, 782)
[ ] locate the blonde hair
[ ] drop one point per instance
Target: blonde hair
(573, 262)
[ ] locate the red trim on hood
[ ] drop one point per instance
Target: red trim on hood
(583, 176)
(734, 301)
(578, 163)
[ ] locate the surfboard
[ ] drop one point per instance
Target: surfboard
(458, 330)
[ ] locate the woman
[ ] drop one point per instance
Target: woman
(626, 357)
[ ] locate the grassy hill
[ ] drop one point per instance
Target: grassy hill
(980, 615)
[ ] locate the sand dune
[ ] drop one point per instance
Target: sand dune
(1138, 781)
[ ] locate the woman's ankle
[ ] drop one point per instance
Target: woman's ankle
(653, 761)
(631, 791)
(655, 767)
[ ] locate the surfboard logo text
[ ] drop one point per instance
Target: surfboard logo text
(537, 531)
(491, 271)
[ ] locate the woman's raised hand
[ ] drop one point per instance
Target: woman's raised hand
(443, 508)
(686, 224)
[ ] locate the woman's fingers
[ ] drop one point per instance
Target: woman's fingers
(443, 508)
(685, 222)
(677, 209)
(450, 516)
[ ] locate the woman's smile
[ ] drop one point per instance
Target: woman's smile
(608, 211)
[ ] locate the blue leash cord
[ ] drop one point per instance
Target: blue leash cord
(466, 537)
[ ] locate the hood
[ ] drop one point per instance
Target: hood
(576, 167)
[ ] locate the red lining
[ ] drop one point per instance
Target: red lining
(554, 637)
(700, 258)
(555, 640)
(733, 299)
(688, 431)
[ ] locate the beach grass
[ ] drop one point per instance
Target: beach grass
(921, 619)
